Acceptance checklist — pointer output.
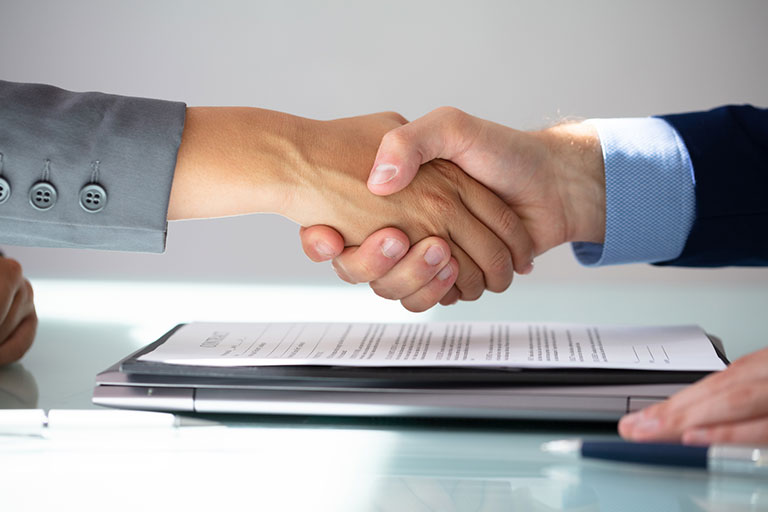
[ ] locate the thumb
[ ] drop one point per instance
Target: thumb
(443, 133)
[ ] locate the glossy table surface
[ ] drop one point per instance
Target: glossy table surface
(326, 463)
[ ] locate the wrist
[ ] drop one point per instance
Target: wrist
(577, 165)
(331, 167)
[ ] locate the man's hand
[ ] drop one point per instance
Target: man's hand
(239, 160)
(18, 320)
(553, 179)
(730, 406)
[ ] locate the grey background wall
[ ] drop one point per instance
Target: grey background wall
(521, 63)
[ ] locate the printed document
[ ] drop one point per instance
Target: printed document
(470, 344)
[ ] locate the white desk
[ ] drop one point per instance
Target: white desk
(302, 463)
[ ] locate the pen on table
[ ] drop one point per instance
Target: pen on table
(35, 422)
(715, 458)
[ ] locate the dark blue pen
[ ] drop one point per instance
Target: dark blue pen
(717, 458)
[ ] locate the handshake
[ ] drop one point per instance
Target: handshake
(490, 197)
(453, 205)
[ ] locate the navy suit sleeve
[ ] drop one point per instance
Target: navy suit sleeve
(728, 147)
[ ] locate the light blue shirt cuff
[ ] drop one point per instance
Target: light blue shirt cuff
(649, 193)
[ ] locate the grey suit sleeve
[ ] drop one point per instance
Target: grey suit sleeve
(106, 165)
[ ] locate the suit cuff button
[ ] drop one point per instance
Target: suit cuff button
(93, 198)
(5, 190)
(42, 195)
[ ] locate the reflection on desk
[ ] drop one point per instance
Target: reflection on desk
(18, 387)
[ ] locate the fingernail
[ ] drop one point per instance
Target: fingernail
(392, 248)
(382, 174)
(645, 425)
(324, 250)
(434, 255)
(527, 269)
(697, 436)
(446, 273)
(629, 420)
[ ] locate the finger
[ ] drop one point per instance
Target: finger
(741, 402)
(321, 243)
(672, 416)
(470, 281)
(374, 258)
(417, 268)
(19, 341)
(647, 422)
(443, 133)
(753, 431)
(452, 297)
(434, 291)
(504, 223)
(490, 254)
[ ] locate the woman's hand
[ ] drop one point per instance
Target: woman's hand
(730, 406)
(18, 320)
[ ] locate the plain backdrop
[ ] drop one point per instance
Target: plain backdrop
(526, 64)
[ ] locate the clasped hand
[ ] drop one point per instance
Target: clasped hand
(553, 181)
(481, 232)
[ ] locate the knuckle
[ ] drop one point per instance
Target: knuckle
(12, 269)
(397, 138)
(507, 223)
(457, 124)
(452, 297)
(449, 170)
(500, 265)
(472, 284)
(471, 295)
(440, 205)
(450, 113)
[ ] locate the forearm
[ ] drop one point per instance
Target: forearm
(235, 161)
